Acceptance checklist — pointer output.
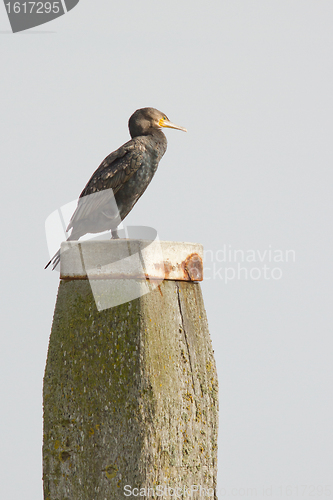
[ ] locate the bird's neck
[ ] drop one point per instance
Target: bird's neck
(157, 135)
(156, 143)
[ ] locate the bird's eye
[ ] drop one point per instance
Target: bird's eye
(164, 117)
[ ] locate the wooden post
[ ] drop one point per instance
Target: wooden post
(130, 391)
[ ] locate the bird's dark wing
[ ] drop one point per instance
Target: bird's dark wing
(114, 171)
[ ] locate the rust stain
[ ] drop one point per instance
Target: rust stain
(193, 267)
(116, 276)
(165, 266)
(167, 269)
(159, 287)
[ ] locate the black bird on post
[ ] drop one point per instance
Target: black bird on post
(121, 179)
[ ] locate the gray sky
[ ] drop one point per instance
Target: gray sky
(252, 81)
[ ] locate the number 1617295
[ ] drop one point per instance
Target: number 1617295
(33, 7)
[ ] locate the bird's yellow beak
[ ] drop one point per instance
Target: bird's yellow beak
(164, 122)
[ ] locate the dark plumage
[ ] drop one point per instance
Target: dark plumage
(127, 172)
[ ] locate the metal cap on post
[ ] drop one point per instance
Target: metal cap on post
(130, 386)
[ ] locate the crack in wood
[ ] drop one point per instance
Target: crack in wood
(185, 336)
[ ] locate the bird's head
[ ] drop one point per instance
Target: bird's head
(145, 119)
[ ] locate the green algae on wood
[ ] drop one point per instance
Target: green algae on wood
(130, 394)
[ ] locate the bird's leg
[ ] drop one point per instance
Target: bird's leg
(114, 234)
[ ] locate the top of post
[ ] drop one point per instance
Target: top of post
(131, 259)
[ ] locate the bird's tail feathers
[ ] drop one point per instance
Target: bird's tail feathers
(54, 261)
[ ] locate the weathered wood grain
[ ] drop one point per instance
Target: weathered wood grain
(130, 395)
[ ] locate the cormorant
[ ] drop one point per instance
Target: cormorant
(127, 172)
